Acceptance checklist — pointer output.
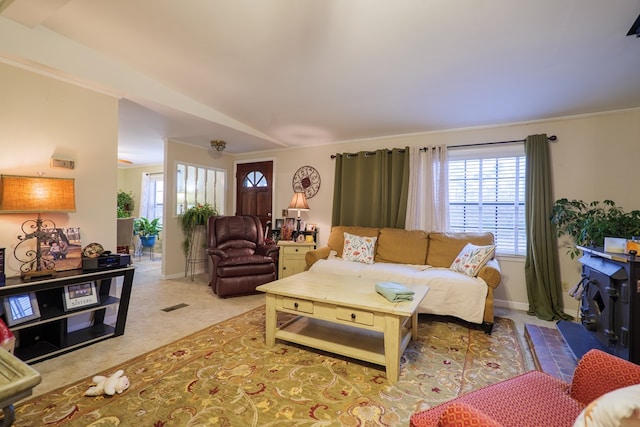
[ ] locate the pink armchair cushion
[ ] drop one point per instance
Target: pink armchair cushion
(462, 415)
(534, 393)
(539, 399)
(598, 373)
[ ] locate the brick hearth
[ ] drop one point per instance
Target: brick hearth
(550, 352)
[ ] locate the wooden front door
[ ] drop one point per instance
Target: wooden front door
(254, 189)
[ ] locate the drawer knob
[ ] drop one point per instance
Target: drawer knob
(295, 304)
(353, 316)
(296, 249)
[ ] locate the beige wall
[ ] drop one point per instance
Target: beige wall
(130, 181)
(40, 117)
(594, 158)
(176, 152)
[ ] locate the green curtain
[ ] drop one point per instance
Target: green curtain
(371, 188)
(542, 272)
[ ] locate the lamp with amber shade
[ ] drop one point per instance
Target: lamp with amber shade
(27, 194)
(299, 203)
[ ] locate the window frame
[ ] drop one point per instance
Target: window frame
(205, 187)
(516, 242)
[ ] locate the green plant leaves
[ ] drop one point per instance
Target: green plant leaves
(588, 224)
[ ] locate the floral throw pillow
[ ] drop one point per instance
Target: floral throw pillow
(620, 407)
(359, 248)
(472, 258)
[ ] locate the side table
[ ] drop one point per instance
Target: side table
(291, 258)
(17, 380)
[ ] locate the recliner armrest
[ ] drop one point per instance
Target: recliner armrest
(312, 256)
(216, 252)
(267, 250)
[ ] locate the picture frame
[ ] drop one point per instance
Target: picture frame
(311, 227)
(279, 223)
(63, 248)
(286, 232)
(21, 308)
(80, 296)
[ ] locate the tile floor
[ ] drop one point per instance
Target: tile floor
(149, 327)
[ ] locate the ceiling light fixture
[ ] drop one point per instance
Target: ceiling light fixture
(218, 145)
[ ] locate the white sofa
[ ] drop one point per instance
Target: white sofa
(415, 257)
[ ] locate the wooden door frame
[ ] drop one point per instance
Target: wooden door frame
(273, 177)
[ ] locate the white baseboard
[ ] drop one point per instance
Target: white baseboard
(523, 306)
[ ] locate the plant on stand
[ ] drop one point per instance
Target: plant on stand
(147, 230)
(193, 222)
(589, 223)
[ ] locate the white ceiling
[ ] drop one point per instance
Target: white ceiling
(263, 74)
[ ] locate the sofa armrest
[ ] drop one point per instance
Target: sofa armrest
(599, 373)
(312, 256)
(460, 414)
(491, 274)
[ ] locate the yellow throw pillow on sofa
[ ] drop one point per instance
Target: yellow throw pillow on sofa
(359, 248)
(472, 258)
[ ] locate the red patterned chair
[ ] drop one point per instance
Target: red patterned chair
(537, 399)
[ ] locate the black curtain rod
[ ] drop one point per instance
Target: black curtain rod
(367, 153)
(551, 138)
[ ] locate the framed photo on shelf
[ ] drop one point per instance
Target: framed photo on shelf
(279, 223)
(286, 232)
(311, 227)
(21, 308)
(80, 296)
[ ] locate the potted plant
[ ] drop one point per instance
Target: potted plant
(125, 204)
(589, 223)
(147, 230)
(191, 219)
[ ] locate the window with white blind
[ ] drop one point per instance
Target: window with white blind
(199, 185)
(486, 193)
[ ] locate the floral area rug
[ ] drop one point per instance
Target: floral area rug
(224, 375)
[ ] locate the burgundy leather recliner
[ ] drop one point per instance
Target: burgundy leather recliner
(239, 260)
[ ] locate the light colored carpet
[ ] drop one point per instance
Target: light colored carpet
(225, 375)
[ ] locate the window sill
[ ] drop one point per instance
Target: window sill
(511, 258)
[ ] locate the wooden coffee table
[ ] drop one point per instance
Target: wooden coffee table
(342, 315)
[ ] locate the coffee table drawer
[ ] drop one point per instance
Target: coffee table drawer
(356, 316)
(302, 305)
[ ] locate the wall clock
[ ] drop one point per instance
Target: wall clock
(307, 180)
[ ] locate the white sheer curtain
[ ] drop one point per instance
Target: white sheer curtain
(428, 204)
(144, 196)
